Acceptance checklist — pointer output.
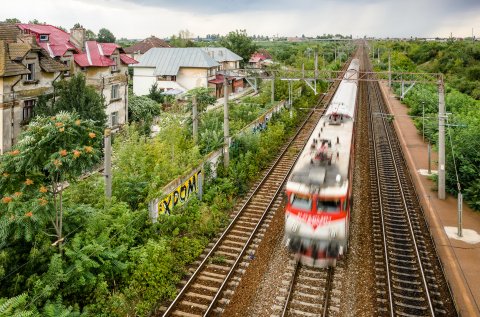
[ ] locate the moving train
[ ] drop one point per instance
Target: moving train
(319, 188)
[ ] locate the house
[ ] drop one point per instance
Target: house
(27, 71)
(178, 69)
(225, 57)
(138, 49)
(34, 56)
(105, 65)
(259, 60)
(182, 69)
(229, 61)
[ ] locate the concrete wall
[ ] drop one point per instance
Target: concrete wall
(143, 79)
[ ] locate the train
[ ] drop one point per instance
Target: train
(319, 187)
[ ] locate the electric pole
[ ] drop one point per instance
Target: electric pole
(195, 119)
(107, 172)
(273, 89)
(226, 133)
(441, 139)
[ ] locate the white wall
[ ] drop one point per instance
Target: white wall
(143, 79)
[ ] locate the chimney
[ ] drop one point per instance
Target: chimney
(77, 37)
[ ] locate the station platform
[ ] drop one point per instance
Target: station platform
(460, 256)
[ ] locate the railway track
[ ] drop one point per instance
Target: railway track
(312, 292)
(209, 287)
(409, 276)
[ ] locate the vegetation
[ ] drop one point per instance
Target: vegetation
(458, 61)
(239, 43)
(142, 110)
(113, 261)
(105, 36)
(73, 95)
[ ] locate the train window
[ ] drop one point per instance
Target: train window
(300, 201)
(328, 205)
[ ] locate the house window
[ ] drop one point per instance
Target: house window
(67, 63)
(114, 118)
(115, 92)
(43, 37)
(28, 110)
(31, 76)
(115, 67)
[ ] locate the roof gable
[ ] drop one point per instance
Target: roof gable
(146, 44)
(7, 66)
(58, 40)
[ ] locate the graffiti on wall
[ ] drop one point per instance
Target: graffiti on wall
(181, 194)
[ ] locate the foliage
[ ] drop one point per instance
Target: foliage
(15, 307)
(155, 93)
(203, 96)
(105, 36)
(458, 61)
(12, 20)
(74, 95)
(142, 110)
(50, 152)
(239, 43)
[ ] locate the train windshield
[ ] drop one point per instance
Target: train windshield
(328, 205)
(301, 202)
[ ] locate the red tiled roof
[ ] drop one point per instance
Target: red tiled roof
(127, 59)
(93, 56)
(146, 44)
(219, 79)
(108, 48)
(58, 40)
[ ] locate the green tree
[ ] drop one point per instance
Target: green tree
(74, 95)
(203, 96)
(12, 20)
(105, 36)
(155, 93)
(142, 110)
(240, 43)
(90, 35)
(52, 151)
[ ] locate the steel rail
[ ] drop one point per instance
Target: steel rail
(380, 198)
(194, 275)
(401, 186)
(290, 288)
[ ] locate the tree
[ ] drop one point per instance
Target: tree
(74, 96)
(142, 109)
(155, 93)
(77, 26)
(50, 152)
(105, 36)
(12, 20)
(240, 43)
(90, 35)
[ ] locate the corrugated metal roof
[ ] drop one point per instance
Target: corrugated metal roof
(222, 54)
(168, 60)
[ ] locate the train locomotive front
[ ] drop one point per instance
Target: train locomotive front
(319, 188)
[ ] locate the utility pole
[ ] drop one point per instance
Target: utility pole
(441, 139)
(316, 64)
(389, 71)
(273, 89)
(226, 132)
(107, 172)
(195, 119)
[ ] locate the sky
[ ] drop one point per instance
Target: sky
(137, 19)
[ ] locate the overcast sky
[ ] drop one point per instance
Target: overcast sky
(163, 18)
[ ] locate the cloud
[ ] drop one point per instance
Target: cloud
(142, 18)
